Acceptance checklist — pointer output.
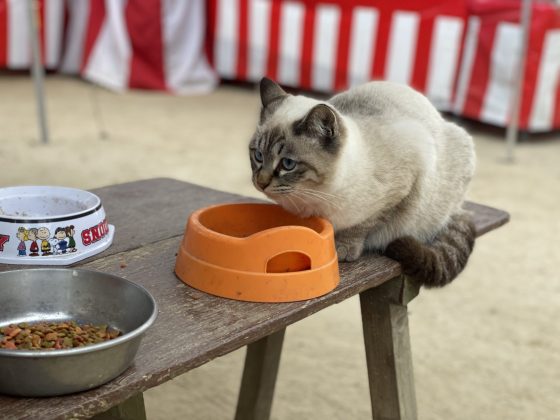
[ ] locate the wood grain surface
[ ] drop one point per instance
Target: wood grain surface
(192, 327)
(388, 354)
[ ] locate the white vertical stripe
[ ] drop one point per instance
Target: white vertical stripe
(76, 35)
(548, 81)
(324, 47)
(109, 61)
(19, 53)
(291, 38)
(465, 72)
(505, 61)
(259, 18)
(362, 44)
(227, 43)
(402, 46)
(54, 23)
(185, 66)
(444, 51)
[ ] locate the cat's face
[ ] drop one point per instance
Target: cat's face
(293, 157)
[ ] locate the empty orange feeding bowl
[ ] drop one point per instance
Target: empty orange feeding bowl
(258, 253)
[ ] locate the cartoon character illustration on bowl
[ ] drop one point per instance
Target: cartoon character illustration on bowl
(60, 243)
(44, 234)
(34, 247)
(22, 236)
(70, 231)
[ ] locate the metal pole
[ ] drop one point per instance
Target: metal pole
(513, 126)
(37, 70)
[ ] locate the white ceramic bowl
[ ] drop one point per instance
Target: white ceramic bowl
(51, 225)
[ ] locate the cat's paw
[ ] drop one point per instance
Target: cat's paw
(349, 251)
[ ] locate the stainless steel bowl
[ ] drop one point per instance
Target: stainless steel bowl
(85, 296)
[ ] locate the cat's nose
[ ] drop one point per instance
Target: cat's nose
(263, 181)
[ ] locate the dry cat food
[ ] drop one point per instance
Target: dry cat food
(53, 335)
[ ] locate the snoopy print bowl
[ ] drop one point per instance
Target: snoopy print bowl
(42, 225)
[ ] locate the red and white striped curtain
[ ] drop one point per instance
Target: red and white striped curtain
(327, 45)
(492, 56)
(461, 54)
(152, 44)
(15, 49)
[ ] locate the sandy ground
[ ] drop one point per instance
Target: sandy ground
(485, 347)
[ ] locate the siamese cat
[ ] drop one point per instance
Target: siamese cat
(381, 164)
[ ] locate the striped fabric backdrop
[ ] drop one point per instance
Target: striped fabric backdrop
(491, 56)
(331, 45)
(461, 54)
(15, 49)
(119, 44)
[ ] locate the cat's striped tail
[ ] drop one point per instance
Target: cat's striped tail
(437, 263)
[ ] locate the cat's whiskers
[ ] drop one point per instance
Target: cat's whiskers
(322, 193)
(320, 196)
(292, 201)
(333, 200)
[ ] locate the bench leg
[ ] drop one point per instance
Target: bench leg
(388, 355)
(131, 409)
(259, 378)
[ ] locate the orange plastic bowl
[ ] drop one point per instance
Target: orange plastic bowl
(258, 253)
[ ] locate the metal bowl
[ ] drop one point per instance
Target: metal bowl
(85, 296)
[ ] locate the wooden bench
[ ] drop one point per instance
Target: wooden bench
(194, 328)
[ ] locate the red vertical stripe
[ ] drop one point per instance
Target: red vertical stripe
(211, 10)
(480, 70)
(307, 47)
(96, 19)
(243, 40)
(41, 21)
(3, 33)
(343, 47)
(143, 20)
(423, 50)
(556, 120)
(273, 37)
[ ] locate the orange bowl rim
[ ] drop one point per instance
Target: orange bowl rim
(327, 228)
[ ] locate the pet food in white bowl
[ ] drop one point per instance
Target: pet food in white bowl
(44, 225)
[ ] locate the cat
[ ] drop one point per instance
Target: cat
(380, 163)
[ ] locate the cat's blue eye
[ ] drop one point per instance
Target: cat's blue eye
(258, 156)
(288, 164)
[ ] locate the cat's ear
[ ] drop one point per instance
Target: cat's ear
(321, 121)
(270, 91)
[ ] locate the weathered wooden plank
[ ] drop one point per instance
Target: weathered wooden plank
(388, 354)
(259, 377)
(131, 409)
(486, 218)
(151, 210)
(192, 327)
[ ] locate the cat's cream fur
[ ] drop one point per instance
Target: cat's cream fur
(398, 169)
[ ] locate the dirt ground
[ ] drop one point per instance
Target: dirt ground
(485, 347)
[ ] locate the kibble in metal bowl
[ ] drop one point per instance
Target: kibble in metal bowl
(54, 335)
